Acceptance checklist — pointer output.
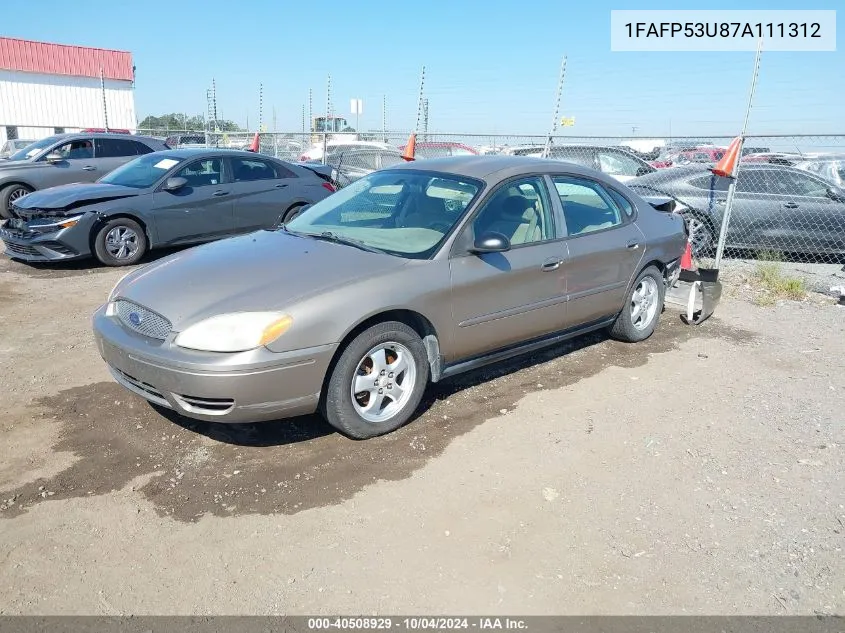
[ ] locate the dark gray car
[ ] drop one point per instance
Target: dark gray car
(775, 207)
(409, 275)
(66, 158)
(350, 165)
(613, 161)
(167, 198)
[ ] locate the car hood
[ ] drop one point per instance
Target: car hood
(266, 270)
(67, 197)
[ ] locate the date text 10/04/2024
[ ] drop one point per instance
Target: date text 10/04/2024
(416, 623)
(724, 29)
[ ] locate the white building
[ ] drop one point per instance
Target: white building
(52, 88)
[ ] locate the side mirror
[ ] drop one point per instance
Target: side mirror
(642, 171)
(835, 193)
(54, 157)
(175, 183)
(491, 243)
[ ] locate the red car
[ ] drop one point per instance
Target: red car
(431, 149)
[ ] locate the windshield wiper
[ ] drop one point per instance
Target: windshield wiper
(328, 236)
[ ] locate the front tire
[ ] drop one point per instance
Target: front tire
(643, 305)
(8, 195)
(377, 382)
(120, 242)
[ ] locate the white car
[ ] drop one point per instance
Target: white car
(315, 152)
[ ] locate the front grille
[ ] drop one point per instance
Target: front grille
(141, 320)
(59, 248)
(21, 249)
(141, 388)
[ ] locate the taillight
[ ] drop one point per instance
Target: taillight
(329, 186)
(303, 158)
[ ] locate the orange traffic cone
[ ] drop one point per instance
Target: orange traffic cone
(410, 148)
(686, 258)
(727, 164)
(253, 147)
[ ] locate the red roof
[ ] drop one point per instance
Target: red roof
(61, 59)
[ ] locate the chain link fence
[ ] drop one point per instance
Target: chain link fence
(789, 201)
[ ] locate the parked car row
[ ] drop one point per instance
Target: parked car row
(115, 198)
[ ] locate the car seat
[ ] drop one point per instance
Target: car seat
(515, 217)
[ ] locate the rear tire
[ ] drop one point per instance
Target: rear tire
(120, 242)
(643, 306)
(703, 235)
(291, 213)
(378, 381)
(8, 195)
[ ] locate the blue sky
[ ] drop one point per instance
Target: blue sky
(491, 67)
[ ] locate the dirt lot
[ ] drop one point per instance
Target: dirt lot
(699, 472)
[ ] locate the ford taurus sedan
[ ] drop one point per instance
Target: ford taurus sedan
(409, 275)
(170, 198)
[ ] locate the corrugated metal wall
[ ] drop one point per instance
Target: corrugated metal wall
(29, 100)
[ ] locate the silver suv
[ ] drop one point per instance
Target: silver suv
(66, 158)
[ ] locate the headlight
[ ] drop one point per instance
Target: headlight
(236, 332)
(53, 226)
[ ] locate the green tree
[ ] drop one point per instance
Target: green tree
(176, 121)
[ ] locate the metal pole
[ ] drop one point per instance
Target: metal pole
(326, 122)
(556, 109)
(105, 107)
(723, 231)
(384, 118)
(420, 100)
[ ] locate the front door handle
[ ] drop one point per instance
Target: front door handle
(551, 264)
(633, 245)
(790, 205)
(281, 185)
(721, 200)
(217, 194)
(89, 168)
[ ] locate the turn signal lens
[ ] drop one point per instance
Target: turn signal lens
(275, 330)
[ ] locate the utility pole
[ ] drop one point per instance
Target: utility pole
(425, 119)
(384, 118)
(105, 107)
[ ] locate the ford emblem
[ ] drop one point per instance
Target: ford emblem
(135, 319)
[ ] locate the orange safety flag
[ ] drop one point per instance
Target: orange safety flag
(410, 148)
(253, 147)
(686, 259)
(727, 164)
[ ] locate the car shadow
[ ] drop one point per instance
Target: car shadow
(311, 427)
(80, 267)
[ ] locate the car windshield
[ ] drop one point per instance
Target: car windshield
(34, 149)
(141, 173)
(400, 212)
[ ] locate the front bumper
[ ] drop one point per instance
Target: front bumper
(253, 386)
(21, 242)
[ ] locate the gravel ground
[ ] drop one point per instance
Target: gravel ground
(700, 472)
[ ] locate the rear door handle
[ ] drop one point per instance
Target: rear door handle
(790, 205)
(550, 264)
(633, 245)
(217, 194)
(281, 185)
(89, 168)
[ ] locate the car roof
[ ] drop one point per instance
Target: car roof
(701, 169)
(493, 167)
(134, 137)
(198, 152)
